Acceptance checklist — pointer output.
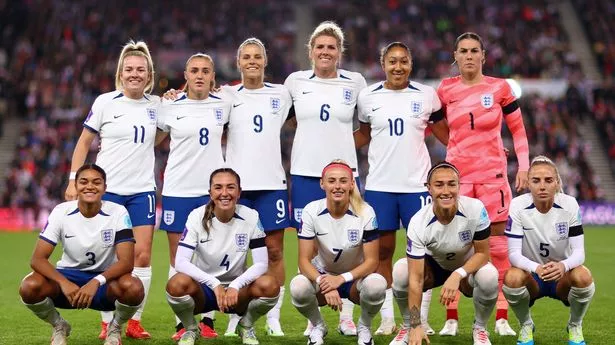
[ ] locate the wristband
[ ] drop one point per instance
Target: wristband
(461, 272)
(72, 175)
(347, 277)
(101, 279)
(318, 279)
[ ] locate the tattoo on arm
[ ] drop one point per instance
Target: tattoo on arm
(415, 317)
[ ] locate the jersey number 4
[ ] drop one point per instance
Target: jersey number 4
(225, 262)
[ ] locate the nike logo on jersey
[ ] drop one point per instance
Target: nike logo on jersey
(321, 234)
(151, 215)
(374, 109)
(500, 211)
(69, 236)
(524, 228)
(306, 92)
(205, 241)
(180, 117)
(279, 221)
(118, 116)
(236, 105)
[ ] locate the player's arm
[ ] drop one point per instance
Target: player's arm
(307, 247)
(184, 265)
(40, 262)
(370, 262)
(480, 256)
(437, 120)
(416, 276)
(160, 136)
(79, 155)
(514, 122)
(260, 264)
(440, 131)
(125, 253)
(362, 136)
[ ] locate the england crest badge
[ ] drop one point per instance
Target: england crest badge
(219, 116)
(168, 216)
(353, 236)
(486, 100)
(151, 114)
(106, 236)
(417, 108)
(347, 95)
(275, 104)
(241, 241)
(562, 230)
(465, 236)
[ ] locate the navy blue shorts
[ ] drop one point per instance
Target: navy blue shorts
(175, 211)
(80, 278)
(393, 208)
(141, 206)
(546, 289)
(303, 190)
(211, 303)
(440, 275)
(272, 207)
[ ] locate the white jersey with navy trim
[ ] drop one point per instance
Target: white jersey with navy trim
(398, 157)
(545, 236)
(88, 243)
(224, 250)
(324, 109)
(450, 245)
(253, 148)
(339, 241)
(195, 128)
(127, 130)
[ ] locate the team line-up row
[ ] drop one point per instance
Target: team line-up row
(465, 113)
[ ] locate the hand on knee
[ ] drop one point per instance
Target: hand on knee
(400, 275)
(301, 290)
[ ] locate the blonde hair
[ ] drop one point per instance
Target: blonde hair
(327, 28)
(544, 160)
(254, 41)
(212, 84)
(133, 48)
(356, 200)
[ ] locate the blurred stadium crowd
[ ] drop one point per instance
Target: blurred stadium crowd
(57, 56)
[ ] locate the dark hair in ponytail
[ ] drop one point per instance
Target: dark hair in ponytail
(209, 208)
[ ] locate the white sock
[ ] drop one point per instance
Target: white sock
(145, 275)
(579, 299)
(347, 309)
(372, 294)
(303, 297)
(400, 289)
(123, 312)
(519, 301)
(172, 272)
(106, 316)
(209, 314)
(274, 313)
(257, 308)
(386, 312)
(45, 310)
(485, 293)
(425, 303)
(401, 297)
(183, 307)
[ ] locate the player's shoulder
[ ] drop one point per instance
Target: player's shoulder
(521, 202)
(107, 97)
(110, 207)
(316, 207)
(470, 207)
(423, 217)
(152, 98)
(493, 80)
(372, 88)
(65, 208)
(247, 214)
(179, 100)
(197, 214)
(420, 87)
(298, 75)
(566, 202)
(447, 82)
(346, 74)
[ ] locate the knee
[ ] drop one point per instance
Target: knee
(301, 290)
(486, 279)
(30, 290)
(580, 277)
(400, 274)
(275, 254)
(267, 286)
(515, 278)
(132, 292)
(373, 287)
(142, 258)
(385, 250)
(178, 285)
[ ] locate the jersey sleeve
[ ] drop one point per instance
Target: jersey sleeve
(257, 240)
(415, 248)
(306, 229)
(123, 227)
(288, 102)
(189, 237)
(370, 225)
(94, 120)
(362, 108)
(290, 84)
(361, 83)
(483, 225)
(437, 113)
(514, 228)
(442, 98)
(162, 121)
(575, 222)
(52, 232)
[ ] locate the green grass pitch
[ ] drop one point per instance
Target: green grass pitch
(19, 326)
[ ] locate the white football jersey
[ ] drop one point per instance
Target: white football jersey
(324, 109)
(545, 236)
(339, 241)
(450, 245)
(195, 128)
(224, 251)
(88, 243)
(253, 147)
(398, 158)
(127, 130)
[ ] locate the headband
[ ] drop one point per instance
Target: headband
(336, 165)
(441, 165)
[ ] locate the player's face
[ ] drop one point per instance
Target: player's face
(337, 184)
(224, 191)
(397, 66)
(134, 74)
(90, 186)
(444, 188)
(469, 56)
(199, 75)
(252, 61)
(543, 182)
(325, 53)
